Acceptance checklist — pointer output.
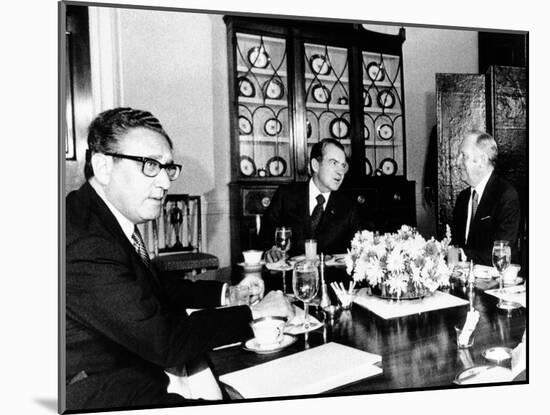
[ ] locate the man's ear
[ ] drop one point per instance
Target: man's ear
(102, 166)
(484, 158)
(315, 165)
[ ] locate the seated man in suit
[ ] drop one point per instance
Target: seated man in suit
(315, 209)
(124, 323)
(488, 210)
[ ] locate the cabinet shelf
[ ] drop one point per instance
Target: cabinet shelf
(328, 78)
(382, 84)
(259, 71)
(339, 107)
(382, 144)
(259, 101)
(344, 141)
(381, 110)
(264, 139)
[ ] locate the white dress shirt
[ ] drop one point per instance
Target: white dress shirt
(313, 193)
(479, 190)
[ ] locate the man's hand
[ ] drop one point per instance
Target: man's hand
(273, 255)
(255, 285)
(273, 304)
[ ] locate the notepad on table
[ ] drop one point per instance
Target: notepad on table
(311, 371)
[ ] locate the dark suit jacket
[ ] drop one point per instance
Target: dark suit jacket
(497, 218)
(124, 323)
(290, 207)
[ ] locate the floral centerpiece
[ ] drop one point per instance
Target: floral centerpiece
(399, 265)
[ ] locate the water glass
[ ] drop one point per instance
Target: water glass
(239, 295)
(305, 284)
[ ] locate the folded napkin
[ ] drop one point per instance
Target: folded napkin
(296, 325)
(472, 319)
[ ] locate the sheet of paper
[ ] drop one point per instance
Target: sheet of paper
(311, 371)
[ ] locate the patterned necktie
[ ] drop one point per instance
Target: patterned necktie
(139, 246)
(473, 211)
(317, 213)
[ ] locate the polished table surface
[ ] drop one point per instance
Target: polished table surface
(418, 351)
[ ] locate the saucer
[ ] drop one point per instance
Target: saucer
(252, 267)
(253, 346)
(497, 354)
(515, 281)
(483, 374)
(485, 272)
(280, 266)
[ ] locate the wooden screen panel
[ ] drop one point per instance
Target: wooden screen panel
(460, 108)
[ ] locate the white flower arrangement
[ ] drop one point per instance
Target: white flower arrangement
(399, 265)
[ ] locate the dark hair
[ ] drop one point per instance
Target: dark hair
(487, 144)
(108, 127)
(318, 149)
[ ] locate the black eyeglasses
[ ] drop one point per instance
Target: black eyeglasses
(151, 167)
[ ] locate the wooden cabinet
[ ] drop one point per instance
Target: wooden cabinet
(294, 83)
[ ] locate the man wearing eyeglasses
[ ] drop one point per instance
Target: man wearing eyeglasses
(124, 323)
(315, 209)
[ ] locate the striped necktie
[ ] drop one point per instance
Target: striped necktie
(139, 246)
(317, 214)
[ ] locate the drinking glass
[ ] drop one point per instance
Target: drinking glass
(502, 256)
(283, 240)
(305, 284)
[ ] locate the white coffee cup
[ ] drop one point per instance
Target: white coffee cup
(252, 256)
(510, 273)
(268, 331)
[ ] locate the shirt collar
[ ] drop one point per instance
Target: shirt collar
(313, 193)
(126, 225)
(480, 188)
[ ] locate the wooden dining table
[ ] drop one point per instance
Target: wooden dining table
(418, 351)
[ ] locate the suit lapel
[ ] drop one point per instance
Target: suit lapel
(485, 204)
(301, 208)
(98, 206)
(330, 211)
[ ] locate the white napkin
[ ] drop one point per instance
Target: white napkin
(296, 325)
(472, 319)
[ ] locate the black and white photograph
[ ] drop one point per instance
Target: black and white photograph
(238, 229)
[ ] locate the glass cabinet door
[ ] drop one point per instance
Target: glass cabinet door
(383, 114)
(327, 95)
(263, 107)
